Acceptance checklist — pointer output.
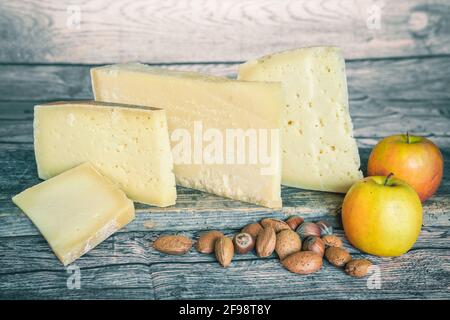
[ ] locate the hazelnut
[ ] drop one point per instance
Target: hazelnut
(314, 244)
(325, 228)
(294, 221)
(243, 243)
(307, 229)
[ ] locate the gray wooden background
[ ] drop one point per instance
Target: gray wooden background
(398, 59)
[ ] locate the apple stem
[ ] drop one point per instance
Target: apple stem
(407, 137)
(387, 178)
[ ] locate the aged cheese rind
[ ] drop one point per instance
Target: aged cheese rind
(76, 210)
(319, 151)
(128, 144)
(218, 103)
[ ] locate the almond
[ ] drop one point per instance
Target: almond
(265, 243)
(173, 244)
(303, 262)
(337, 256)
(224, 251)
(294, 221)
(288, 242)
(207, 240)
(253, 229)
(276, 224)
(243, 243)
(358, 268)
(332, 241)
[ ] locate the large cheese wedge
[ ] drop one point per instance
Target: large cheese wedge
(204, 113)
(128, 144)
(319, 151)
(76, 210)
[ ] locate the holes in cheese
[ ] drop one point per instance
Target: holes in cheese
(319, 151)
(128, 144)
(206, 107)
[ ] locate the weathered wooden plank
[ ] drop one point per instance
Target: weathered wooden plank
(416, 274)
(105, 282)
(62, 293)
(372, 120)
(434, 108)
(386, 96)
(22, 82)
(232, 30)
(387, 79)
(194, 210)
(369, 142)
(17, 110)
(126, 263)
(27, 253)
(191, 213)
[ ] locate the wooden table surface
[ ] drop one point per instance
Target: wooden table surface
(126, 266)
(398, 80)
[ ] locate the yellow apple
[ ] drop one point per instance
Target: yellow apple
(382, 216)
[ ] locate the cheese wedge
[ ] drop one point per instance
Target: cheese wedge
(319, 151)
(128, 144)
(76, 210)
(209, 118)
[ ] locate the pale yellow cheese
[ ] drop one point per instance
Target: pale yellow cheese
(76, 210)
(128, 144)
(215, 104)
(319, 151)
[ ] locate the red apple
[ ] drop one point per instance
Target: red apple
(413, 159)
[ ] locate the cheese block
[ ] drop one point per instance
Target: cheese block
(214, 123)
(128, 144)
(76, 210)
(319, 151)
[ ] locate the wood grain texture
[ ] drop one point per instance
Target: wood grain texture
(398, 80)
(233, 30)
(387, 79)
(194, 210)
(126, 266)
(372, 120)
(386, 96)
(27, 253)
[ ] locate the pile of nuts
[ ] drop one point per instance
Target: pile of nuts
(299, 245)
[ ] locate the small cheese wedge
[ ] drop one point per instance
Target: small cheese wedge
(207, 113)
(319, 151)
(128, 144)
(76, 210)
